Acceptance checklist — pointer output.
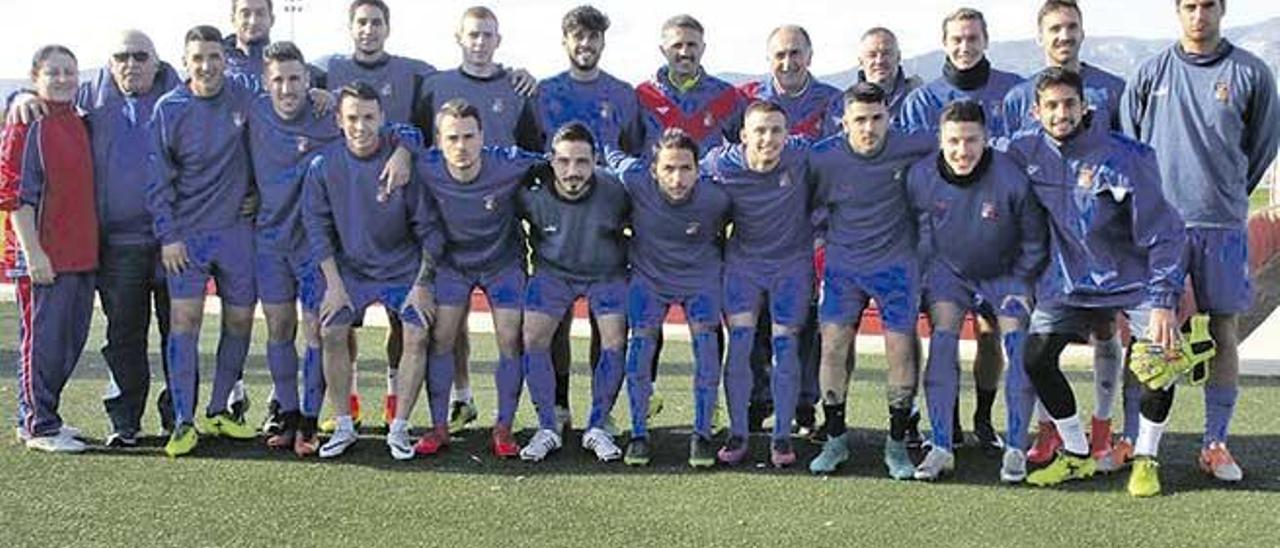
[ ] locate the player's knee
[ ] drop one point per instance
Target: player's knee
(334, 337)
(509, 343)
(416, 338)
(1225, 331)
(237, 320)
(281, 327)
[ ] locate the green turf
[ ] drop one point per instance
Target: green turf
(1260, 198)
(241, 494)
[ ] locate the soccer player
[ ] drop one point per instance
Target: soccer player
(475, 190)
(1061, 27)
(46, 184)
(768, 263)
(576, 215)
(860, 178)
(252, 21)
(880, 62)
(1208, 107)
(607, 106)
(678, 219)
(967, 74)
(683, 95)
(1115, 245)
(201, 180)
(982, 244)
(372, 246)
(812, 111)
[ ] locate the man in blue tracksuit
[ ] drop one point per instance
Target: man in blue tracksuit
(1115, 245)
(880, 62)
(1208, 107)
(982, 240)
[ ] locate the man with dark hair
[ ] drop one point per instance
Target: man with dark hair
(1116, 245)
(768, 267)
(576, 215)
(1061, 27)
(683, 95)
(982, 244)
(880, 62)
(678, 222)
(372, 246)
(861, 196)
(1209, 109)
(252, 21)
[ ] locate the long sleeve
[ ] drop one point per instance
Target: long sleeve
(1262, 130)
(427, 227)
(918, 201)
(13, 142)
(161, 193)
(529, 133)
(1033, 250)
(1133, 104)
(1158, 228)
(33, 179)
(317, 213)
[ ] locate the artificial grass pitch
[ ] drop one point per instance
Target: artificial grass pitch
(239, 493)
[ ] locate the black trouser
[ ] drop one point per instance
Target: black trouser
(131, 287)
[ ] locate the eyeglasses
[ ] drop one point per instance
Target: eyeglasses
(137, 56)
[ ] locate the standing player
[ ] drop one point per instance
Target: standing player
(1061, 27)
(607, 106)
(982, 245)
(683, 95)
(372, 246)
(576, 216)
(475, 190)
(1115, 245)
(968, 74)
(252, 20)
(860, 177)
(1209, 109)
(678, 223)
(768, 265)
(201, 178)
(880, 62)
(46, 183)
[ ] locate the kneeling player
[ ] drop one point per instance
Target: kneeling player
(371, 249)
(982, 239)
(1115, 244)
(678, 223)
(576, 221)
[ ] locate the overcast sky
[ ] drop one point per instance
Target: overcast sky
(736, 30)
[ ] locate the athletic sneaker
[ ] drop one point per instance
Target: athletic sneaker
(433, 441)
(896, 459)
(121, 440)
(1144, 479)
(286, 431)
(341, 440)
(544, 441)
(1216, 461)
(734, 450)
(702, 453)
(835, 451)
(273, 423)
(1099, 438)
(224, 424)
(503, 443)
(1046, 445)
(637, 452)
(601, 442)
(988, 440)
(1118, 457)
(353, 403)
(66, 430)
(937, 462)
(182, 441)
(56, 443)
(238, 402)
(564, 419)
(389, 402)
(1013, 468)
(305, 442)
(656, 403)
(781, 454)
(1066, 467)
(398, 442)
(462, 413)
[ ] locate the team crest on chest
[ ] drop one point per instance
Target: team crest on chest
(692, 228)
(498, 106)
(709, 120)
(303, 143)
(606, 110)
(387, 89)
(490, 203)
(785, 180)
(899, 174)
(238, 119)
(989, 211)
(1085, 177)
(1222, 91)
(550, 229)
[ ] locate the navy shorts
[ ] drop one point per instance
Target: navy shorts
(553, 295)
(1218, 263)
(505, 288)
(895, 288)
(227, 256)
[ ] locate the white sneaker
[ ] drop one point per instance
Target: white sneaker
(937, 463)
(542, 444)
(67, 431)
(1014, 467)
(399, 443)
(602, 444)
(56, 444)
(338, 443)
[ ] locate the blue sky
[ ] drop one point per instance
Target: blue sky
(531, 36)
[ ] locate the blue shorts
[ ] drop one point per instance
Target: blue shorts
(1059, 319)
(363, 293)
(895, 288)
(985, 297)
(284, 277)
(1218, 263)
(226, 255)
(552, 295)
(647, 306)
(789, 293)
(505, 288)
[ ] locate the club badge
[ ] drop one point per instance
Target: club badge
(606, 110)
(303, 144)
(1222, 91)
(498, 106)
(387, 89)
(709, 120)
(989, 211)
(692, 228)
(1085, 177)
(490, 203)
